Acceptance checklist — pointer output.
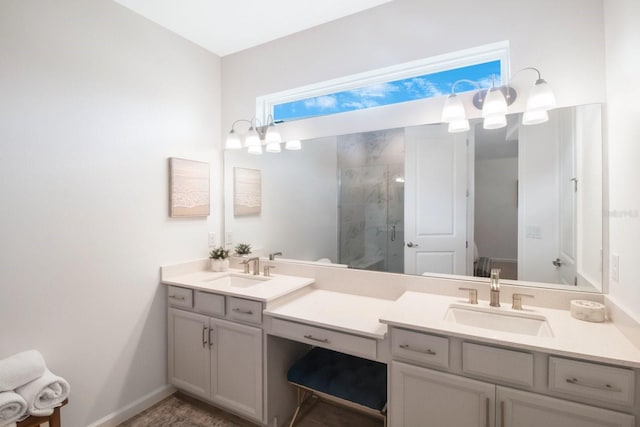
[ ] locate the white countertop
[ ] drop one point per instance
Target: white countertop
(335, 310)
(268, 289)
(369, 316)
(600, 342)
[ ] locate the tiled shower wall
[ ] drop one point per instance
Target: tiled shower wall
(371, 166)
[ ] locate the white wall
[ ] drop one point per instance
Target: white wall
(623, 135)
(296, 186)
(94, 100)
(563, 39)
(496, 207)
(589, 203)
(303, 195)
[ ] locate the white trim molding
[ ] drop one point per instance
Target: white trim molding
(145, 402)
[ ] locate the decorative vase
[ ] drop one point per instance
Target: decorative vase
(219, 264)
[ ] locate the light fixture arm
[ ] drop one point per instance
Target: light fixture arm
(534, 69)
(233, 126)
(471, 82)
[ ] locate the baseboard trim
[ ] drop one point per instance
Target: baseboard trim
(145, 402)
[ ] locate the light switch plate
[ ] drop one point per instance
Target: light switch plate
(228, 238)
(212, 240)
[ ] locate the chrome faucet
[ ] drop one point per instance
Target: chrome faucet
(495, 288)
(273, 255)
(256, 265)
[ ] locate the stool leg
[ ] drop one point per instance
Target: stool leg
(54, 420)
(295, 414)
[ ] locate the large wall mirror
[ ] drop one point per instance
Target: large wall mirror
(419, 200)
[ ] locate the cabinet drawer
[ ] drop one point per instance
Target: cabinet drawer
(333, 340)
(420, 347)
(245, 310)
(590, 380)
(207, 303)
(180, 297)
(515, 367)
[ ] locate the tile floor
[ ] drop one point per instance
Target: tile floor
(180, 410)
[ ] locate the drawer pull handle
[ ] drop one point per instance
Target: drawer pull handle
(312, 338)
(204, 340)
(607, 387)
(210, 339)
(241, 311)
(178, 297)
(427, 351)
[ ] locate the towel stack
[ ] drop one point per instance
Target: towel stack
(27, 387)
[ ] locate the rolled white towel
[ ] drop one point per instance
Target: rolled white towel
(44, 393)
(21, 368)
(12, 408)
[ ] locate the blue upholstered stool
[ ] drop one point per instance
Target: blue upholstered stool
(345, 379)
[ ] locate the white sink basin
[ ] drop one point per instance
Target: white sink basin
(237, 281)
(491, 318)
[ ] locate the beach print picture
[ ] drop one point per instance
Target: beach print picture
(247, 192)
(188, 188)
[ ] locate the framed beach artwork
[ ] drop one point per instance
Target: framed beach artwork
(188, 188)
(247, 192)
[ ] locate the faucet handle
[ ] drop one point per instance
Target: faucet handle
(245, 265)
(517, 300)
(473, 295)
(272, 256)
(267, 270)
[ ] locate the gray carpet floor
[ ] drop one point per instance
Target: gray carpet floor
(180, 410)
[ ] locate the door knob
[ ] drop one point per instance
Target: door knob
(557, 262)
(412, 245)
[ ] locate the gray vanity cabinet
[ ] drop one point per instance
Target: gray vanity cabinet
(518, 408)
(478, 385)
(189, 355)
(218, 360)
(420, 396)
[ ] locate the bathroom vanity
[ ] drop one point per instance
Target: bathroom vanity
(232, 337)
(572, 374)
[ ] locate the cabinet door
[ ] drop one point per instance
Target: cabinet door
(421, 397)
(189, 363)
(236, 374)
(522, 409)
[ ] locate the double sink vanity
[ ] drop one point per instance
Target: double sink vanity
(233, 336)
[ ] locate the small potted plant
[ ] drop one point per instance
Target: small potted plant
(243, 249)
(219, 259)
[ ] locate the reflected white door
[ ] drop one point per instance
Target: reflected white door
(539, 201)
(435, 200)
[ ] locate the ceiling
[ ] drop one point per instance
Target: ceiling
(227, 26)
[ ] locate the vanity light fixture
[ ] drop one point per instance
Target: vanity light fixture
(494, 104)
(454, 112)
(541, 99)
(494, 110)
(256, 136)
